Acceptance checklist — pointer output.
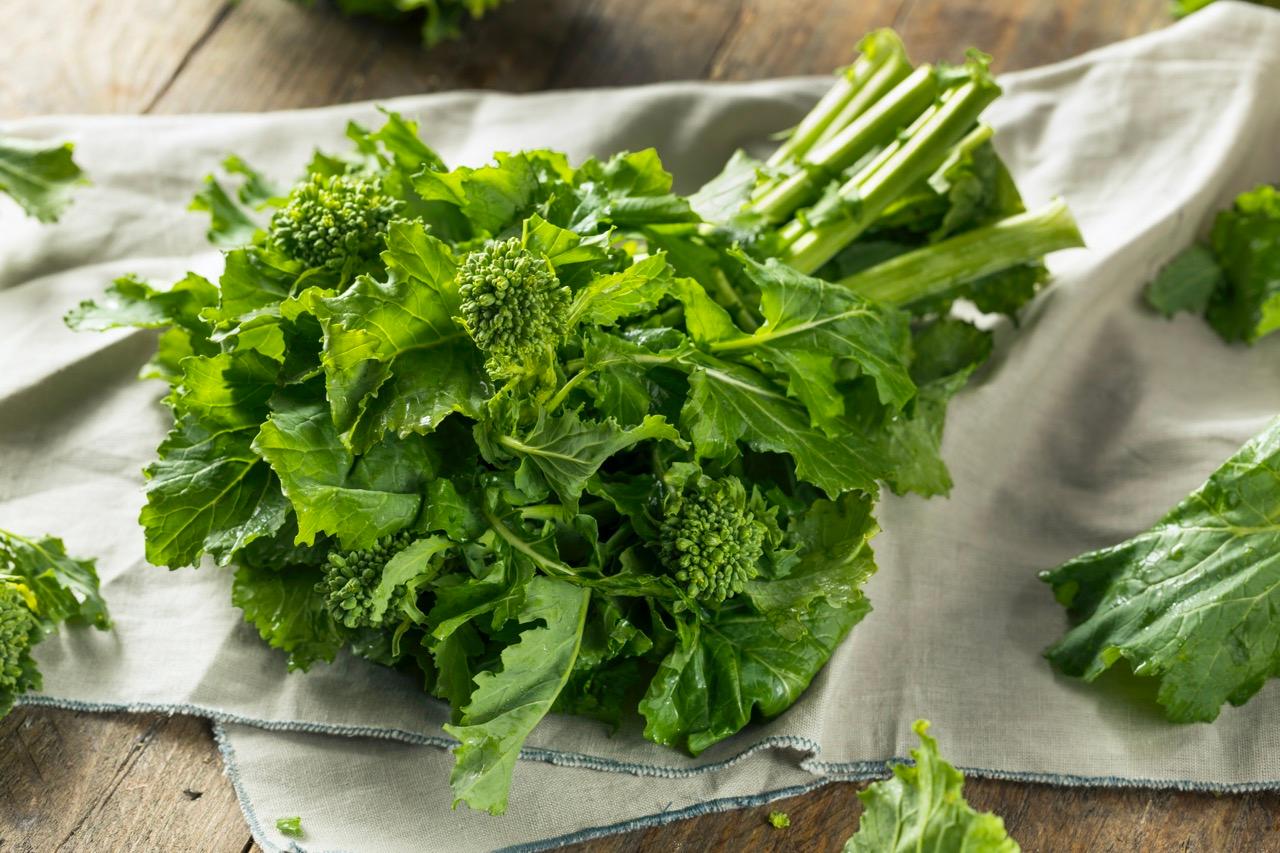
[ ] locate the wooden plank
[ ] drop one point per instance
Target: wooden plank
(1024, 33)
(269, 54)
(82, 781)
(1040, 817)
(95, 56)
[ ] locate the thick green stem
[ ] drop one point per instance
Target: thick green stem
(894, 70)
(858, 86)
(876, 187)
(877, 126)
(934, 270)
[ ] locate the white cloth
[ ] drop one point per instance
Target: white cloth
(1094, 417)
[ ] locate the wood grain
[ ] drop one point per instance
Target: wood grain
(73, 781)
(96, 56)
(81, 781)
(1042, 818)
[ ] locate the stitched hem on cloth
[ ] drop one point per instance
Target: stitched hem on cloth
(833, 770)
(825, 771)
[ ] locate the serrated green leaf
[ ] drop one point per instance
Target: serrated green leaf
(64, 589)
(608, 298)
(563, 451)
(1186, 283)
(923, 808)
(730, 403)
(357, 500)
(507, 704)
(736, 663)
(39, 176)
(290, 615)
(1194, 601)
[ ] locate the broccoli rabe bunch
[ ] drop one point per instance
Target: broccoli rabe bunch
(40, 587)
(550, 436)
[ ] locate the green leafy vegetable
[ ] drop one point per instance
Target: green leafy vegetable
(1194, 600)
(40, 177)
(779, 820)
(290, 826)
(553, 438)
(922, 807)
(40, 588)
(441, 20)
(1235, 280)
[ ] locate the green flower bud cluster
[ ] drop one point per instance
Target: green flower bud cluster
(711, 541)
(512, 303)
(331, 219)
(17, 627)
(351, 577)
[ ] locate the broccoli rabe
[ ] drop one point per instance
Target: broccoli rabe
(332, 220)
(713, 538)
(1234, 279)
(39, 176)
(513, 306)
(350, 578)
(17, 625)
(40, 587)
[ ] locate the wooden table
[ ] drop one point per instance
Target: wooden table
(77, 781)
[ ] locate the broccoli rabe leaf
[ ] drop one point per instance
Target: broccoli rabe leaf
(1246, 242)
(1235, 280)
(736, 662)
(810, 325)
(507, 704)
(395, 360)
(832, 540)
(923, 808)
(230, 223)
(562, 452)
(728, 403)
(636, 289)
(65, 588)
(208, 491)
(41, 586)
(39, 176)
(282, 603)
(355, 500)
(1186, 283)
(1194, 600)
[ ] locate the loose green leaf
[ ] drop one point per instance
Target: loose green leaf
(1194, 600)
(39, 176)
(1186, 283)
(923, 808)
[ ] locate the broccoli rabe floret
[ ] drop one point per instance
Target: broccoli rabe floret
(513, 306)
(350, 577)
(713, 537)
(17, 627)
(332, 219)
